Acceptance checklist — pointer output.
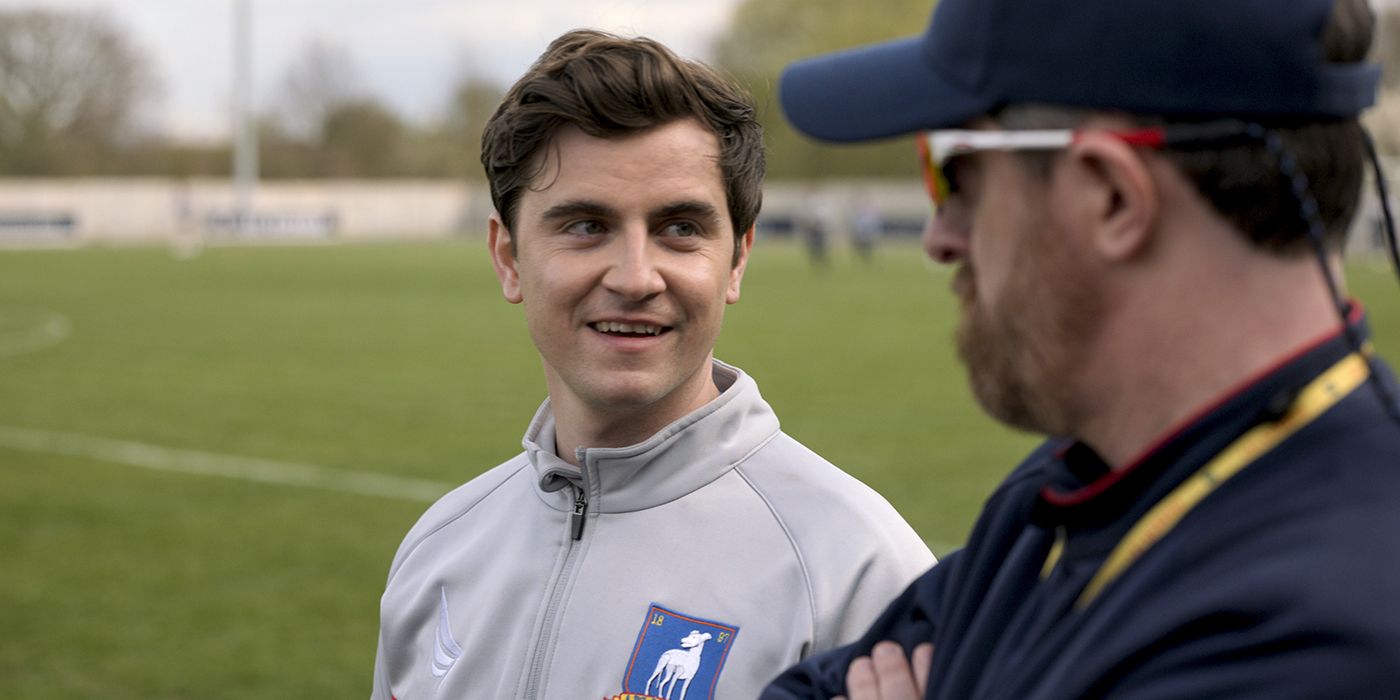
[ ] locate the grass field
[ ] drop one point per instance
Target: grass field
(120, 581)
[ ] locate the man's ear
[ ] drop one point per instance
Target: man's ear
(499, 241)
(1114, 196)
(736, 274)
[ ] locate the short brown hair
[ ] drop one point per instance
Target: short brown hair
(609, 86)
(1243, 181)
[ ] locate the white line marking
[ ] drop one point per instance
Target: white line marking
(54, 329)
(169, 459)
(210, 464)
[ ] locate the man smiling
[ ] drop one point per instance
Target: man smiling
(659, 535)
(627, 265)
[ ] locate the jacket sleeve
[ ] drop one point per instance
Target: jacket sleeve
(869, 588)
(381, 690)
(909, 620)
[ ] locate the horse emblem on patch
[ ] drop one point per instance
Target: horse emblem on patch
(677, 657)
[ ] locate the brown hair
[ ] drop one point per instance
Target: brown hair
(1242, 181)
(609, 86)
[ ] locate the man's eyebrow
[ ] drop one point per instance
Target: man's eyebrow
(692, 208)
(579, 207)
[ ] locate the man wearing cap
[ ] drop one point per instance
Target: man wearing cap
(1146, 201)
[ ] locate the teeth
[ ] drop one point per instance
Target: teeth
(611, 327)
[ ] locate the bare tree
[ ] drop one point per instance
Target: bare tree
(321, 80)
(361, 139)
(72, 88)
(765, 35)
(472, 102)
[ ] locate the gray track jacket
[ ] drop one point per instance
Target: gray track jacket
(698, 564)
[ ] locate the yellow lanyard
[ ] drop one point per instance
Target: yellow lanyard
(1319, 395)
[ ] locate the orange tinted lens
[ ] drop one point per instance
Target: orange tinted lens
(933, 175)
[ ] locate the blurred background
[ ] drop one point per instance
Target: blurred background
(249, 330)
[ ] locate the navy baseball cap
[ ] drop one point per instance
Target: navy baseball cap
(1258, 59)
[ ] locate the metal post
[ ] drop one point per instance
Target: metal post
(245, 151)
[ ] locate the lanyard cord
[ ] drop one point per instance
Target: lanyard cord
(1320, 394)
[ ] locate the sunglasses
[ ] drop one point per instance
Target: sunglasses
(938, 148)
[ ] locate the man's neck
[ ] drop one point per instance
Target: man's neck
(579, 425)
(1188, 344)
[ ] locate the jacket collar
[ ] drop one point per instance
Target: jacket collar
(1084, 493)
(684, 456)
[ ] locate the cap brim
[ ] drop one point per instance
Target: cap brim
(873, 92)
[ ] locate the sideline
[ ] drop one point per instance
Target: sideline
(168, 459)
(54, 329)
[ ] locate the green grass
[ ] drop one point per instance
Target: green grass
(120, 582)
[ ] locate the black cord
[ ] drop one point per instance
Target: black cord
(1298, 180)
(1384, 195)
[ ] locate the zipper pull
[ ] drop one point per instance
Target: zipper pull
(576, 520)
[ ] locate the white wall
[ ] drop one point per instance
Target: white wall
(154, 210)
(133, 211)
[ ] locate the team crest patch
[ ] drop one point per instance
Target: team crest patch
(677, 657)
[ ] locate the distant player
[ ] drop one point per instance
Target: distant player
(659, 534)
(866, 227)
(186, 238)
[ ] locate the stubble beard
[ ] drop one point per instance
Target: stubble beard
(1020, 355)
(988, 349)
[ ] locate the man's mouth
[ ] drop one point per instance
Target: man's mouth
(962, 285)
(628, 330)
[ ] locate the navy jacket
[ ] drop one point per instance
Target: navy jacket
(1284, 582)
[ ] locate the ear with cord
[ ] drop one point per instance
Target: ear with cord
(1113, 193)
(499, 242)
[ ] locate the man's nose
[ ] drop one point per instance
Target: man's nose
(634, 273)
(945, 236)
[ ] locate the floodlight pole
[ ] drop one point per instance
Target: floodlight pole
(245, 150)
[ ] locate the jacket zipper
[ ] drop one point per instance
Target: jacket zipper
(580, 495)
(580, 508)
(532, 684)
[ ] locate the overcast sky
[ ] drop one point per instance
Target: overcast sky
(408, 52)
